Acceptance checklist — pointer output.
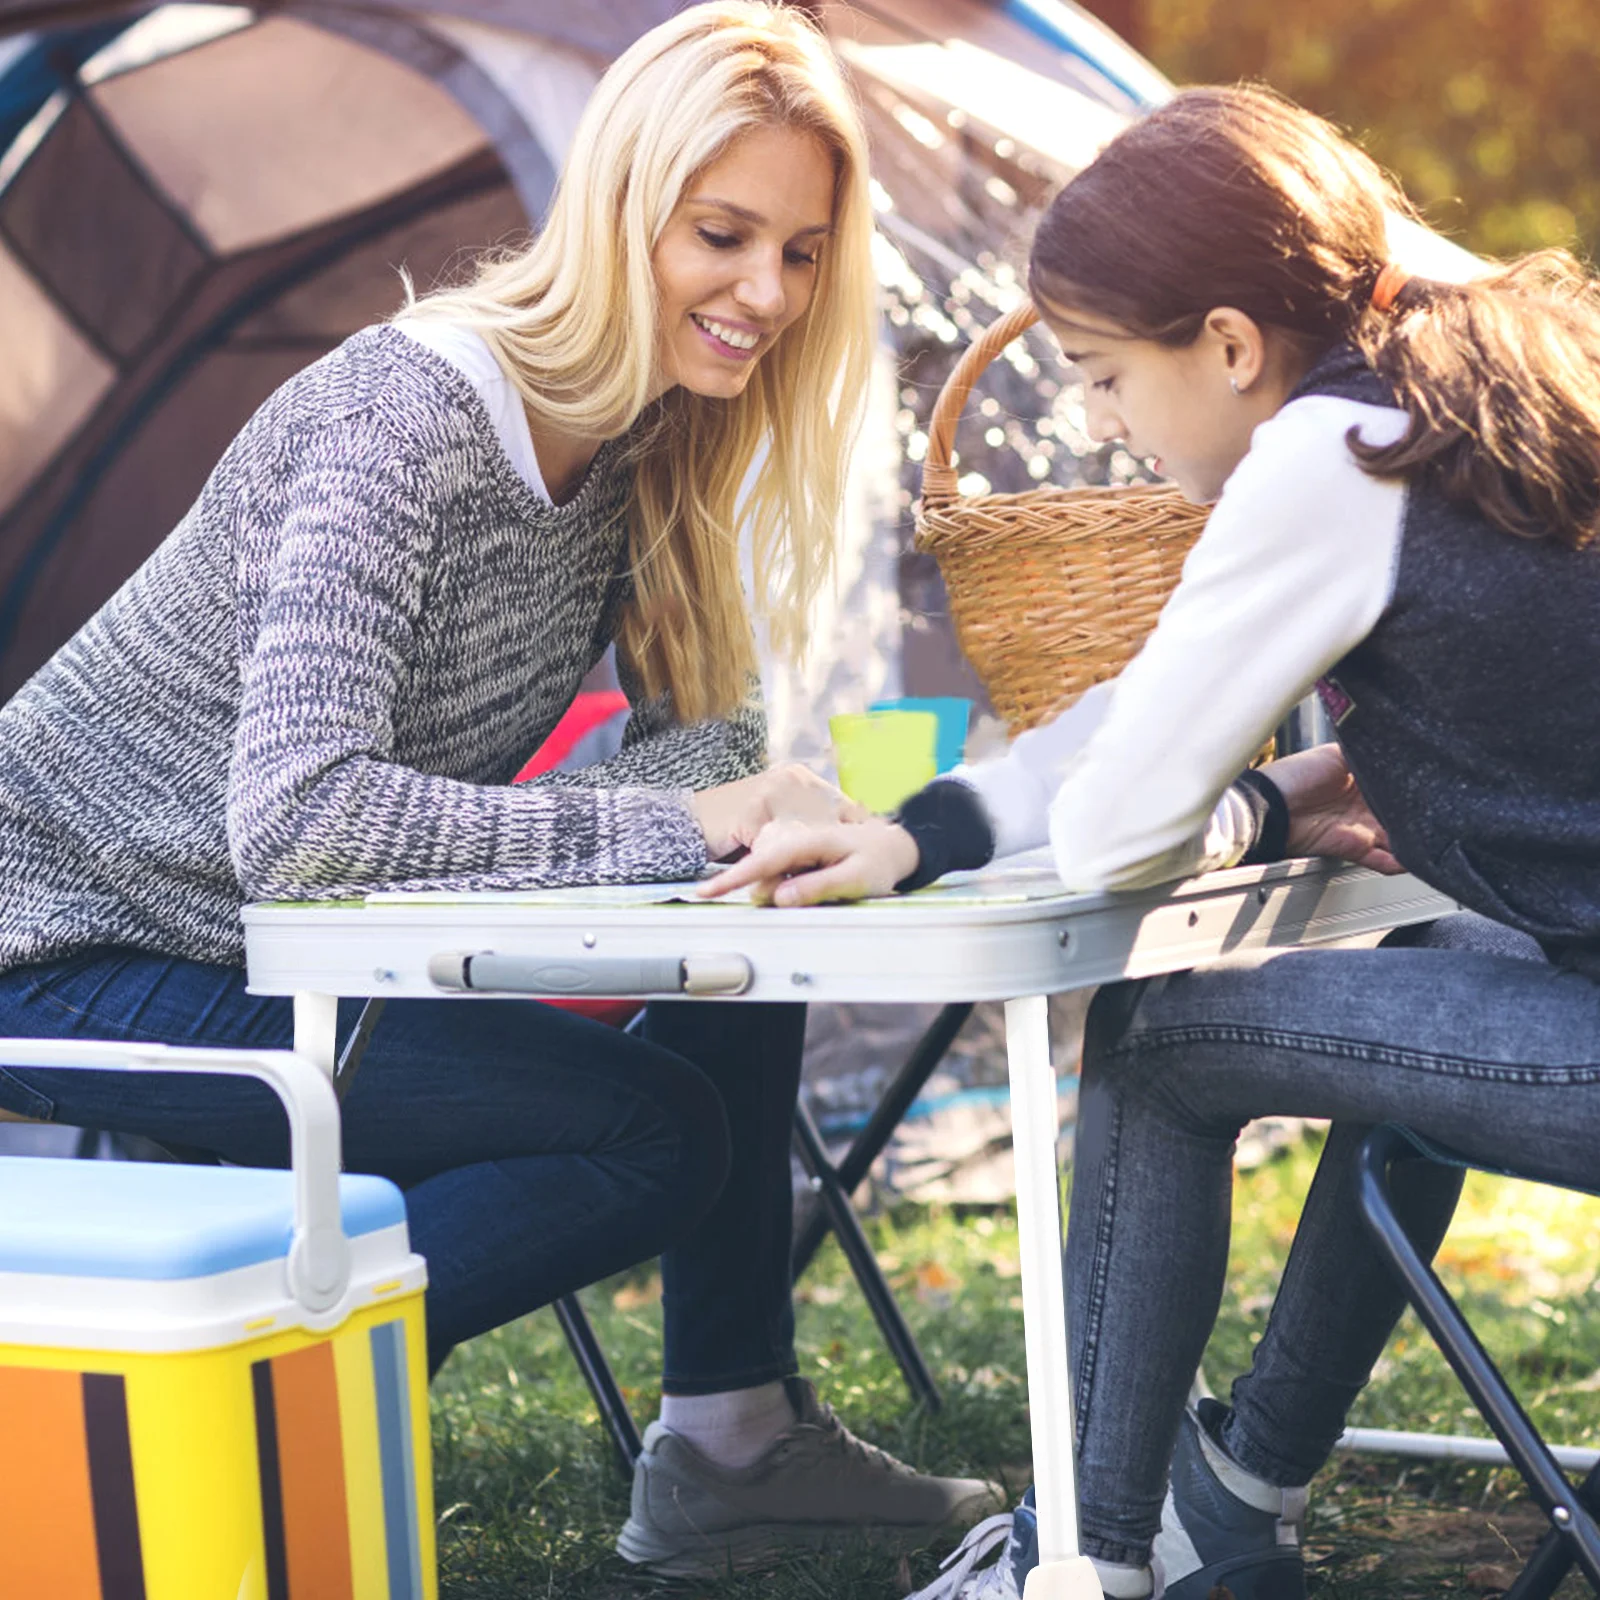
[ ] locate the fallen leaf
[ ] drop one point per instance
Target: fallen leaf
(1490, 1578)
(632, 1296)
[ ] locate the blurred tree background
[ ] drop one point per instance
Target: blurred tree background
(1487, 111)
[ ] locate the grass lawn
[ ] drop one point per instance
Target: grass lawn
(529, 1498)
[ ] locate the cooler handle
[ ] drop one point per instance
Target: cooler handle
(319, 1254)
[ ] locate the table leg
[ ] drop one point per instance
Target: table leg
(316, 1028)
(1062, 1573)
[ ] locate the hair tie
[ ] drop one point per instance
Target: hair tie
(1387, 289)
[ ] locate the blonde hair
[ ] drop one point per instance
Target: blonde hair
(574, 322)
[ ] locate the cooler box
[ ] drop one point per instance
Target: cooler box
(213, 1380)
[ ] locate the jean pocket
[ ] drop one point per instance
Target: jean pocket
(23, 1100)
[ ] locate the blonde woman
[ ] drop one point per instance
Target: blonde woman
(385, 597)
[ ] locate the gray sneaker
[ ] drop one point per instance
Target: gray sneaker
(818, 1483)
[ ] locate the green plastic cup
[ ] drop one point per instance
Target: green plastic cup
(883, 756)
(953, 713)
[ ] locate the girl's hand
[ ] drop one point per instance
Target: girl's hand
(1328, 815)
(731, 815)
(799, 864)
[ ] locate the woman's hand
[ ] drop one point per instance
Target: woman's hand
(731, 815)
(1328, 815)
(800, 864)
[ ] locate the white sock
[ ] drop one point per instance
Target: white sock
(1288, 1505)
(733, 1428)
(1120, 1582)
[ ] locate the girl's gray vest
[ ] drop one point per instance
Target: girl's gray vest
(1470, 715)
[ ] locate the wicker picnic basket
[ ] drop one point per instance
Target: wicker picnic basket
(1051, 590)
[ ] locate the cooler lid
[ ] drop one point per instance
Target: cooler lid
(160, 1220)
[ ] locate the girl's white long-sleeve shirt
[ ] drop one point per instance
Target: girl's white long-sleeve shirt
(1131, 785)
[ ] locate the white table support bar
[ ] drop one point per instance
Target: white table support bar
(1062, 1573)
(316, 1028)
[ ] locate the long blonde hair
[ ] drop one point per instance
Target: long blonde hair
(574, 322)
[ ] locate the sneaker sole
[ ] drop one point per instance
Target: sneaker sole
(757, 1545)
(1255, 1577)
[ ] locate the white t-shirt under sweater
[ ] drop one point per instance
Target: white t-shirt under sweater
(471, 356)
(1294, 569)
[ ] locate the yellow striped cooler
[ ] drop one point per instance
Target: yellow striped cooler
(213, 1380)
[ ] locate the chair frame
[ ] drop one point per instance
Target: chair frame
(1574, 1535)
(833, 1184)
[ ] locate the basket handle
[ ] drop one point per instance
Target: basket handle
(938, 476)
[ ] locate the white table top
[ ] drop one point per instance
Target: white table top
(998, 934)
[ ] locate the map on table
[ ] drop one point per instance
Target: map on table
(1030, 875)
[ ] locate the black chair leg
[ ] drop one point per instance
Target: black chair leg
(858, 1252)
(897, 1099)
(1572, 1522)
(614, 1412)
(355, 1047)
(1552, 1560)
(834, 1184)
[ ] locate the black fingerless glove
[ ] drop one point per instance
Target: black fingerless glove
(952, 830)
(1271, 812)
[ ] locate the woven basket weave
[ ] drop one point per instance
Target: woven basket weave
(1051, 590)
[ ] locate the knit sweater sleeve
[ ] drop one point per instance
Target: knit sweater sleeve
(317, 806)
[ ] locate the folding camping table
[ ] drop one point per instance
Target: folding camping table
(1006, 933)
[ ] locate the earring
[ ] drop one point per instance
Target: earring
(1233, 383)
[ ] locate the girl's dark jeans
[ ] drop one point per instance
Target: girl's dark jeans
(1463, 1031)
(538, 1150)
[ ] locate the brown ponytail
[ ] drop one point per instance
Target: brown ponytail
(1501, 380)
(1236, 197)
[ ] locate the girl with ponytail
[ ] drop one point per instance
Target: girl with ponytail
(1406, 478)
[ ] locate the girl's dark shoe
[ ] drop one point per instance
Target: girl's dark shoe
(1225, 1532)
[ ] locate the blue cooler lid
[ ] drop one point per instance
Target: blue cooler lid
(159, 1220)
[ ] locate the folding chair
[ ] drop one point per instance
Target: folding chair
(1574, 1536)
(833, 1184)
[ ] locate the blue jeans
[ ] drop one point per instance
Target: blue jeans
(538, 1150)
(1465, 1033)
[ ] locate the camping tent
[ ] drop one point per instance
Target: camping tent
(196, 200)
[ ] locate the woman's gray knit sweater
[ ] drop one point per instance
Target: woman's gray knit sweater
(323, 680)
